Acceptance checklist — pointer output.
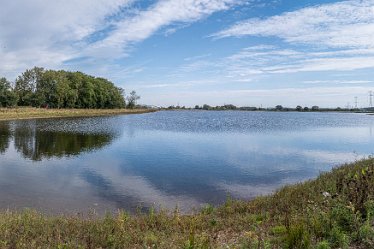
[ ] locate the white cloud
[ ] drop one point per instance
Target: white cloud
(337, 25)
(48, 33)
(287, 96)
(254, 62)
(337, 81)
(335, 37)
(147, 22)
(44, 33)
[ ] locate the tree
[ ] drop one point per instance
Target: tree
(7, 97)
(315, 108)
(206, 107)
(87, 94)
(279, 108)
(299, 108)
(27, 85)
(229, 107)
(131, 99)
(62, 89)
(306, 109)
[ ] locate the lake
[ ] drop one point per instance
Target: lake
(170, 158)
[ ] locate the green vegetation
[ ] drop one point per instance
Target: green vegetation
(334, 211)
(38, 87)
(31, 113)
(8, 97)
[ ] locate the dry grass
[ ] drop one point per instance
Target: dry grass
(334, 211)
(31, 113)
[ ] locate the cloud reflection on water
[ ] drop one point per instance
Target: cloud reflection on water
(67, 165)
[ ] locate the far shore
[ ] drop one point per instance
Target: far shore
(19, 113)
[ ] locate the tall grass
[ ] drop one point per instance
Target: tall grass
(336, 210)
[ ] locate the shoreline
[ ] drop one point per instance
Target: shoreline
(39, 113)
(335, 210)
(271, 111)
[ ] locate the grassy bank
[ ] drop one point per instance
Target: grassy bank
(30, 113)
(334, 211)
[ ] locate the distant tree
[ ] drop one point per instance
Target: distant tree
(279, 108)
(197, 107)
(7, 96)
(315, 108)
(229, 107)
(206, 107)
(131, 99)
(248, 108)
(306, 109)
(299, 108)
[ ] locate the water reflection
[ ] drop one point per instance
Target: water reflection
(36, 144)
(5, 135)
(170, 158)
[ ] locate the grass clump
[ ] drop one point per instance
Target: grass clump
(336, 210)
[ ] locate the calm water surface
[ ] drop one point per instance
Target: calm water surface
(184, 158)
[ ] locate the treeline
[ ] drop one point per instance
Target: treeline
(38, 87)
(276, 108)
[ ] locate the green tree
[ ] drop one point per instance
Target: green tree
(315, 108)
(279, 108)
(7, 97)
(27, 85)
(62, 89)
(131, 99)
(87, 94)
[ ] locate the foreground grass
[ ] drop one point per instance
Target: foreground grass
(30, 113)
(334, 211)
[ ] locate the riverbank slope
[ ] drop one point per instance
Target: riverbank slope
(336, 210)
(32, 113)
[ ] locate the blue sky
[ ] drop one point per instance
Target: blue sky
(187, 52)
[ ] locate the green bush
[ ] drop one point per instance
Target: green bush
(323, 245)
(339, 239)
(297, 237)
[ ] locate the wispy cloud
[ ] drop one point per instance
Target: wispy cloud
(280, 61)
(253, 62)
(94, 33)
(308, 96)
(147, 22)
(337, 81)
(48, 32)
(329, 37)
(337, 25)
